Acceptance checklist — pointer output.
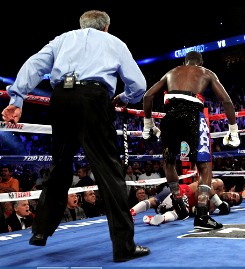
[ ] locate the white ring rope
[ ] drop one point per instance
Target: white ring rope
(229, 173)
(46, 129)
(28, 195)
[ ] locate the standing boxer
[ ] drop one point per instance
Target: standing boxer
(184, 129)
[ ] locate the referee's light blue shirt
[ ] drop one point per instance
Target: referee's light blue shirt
(90, 54)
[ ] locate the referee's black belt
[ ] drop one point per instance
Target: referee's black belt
(89, 82)
(85, 83)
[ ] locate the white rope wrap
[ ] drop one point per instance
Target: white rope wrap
(46, 129)
(16, 196)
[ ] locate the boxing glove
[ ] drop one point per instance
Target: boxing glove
(224, 208)
(232, 137)
(186, 202)
(150, 131)
(163, 208)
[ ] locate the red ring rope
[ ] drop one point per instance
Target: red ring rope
(35, 99)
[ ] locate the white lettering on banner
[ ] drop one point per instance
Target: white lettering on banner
(156, 156)
(22, 194)
(60, 228)
(81, 224)
(8, 237)
(11, 125)
(15, 195)
(44, 158)
(221, 43)
(30, 158)
(183, 52)
(204, 138)
(38, 158)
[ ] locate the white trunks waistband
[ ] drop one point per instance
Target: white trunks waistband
(182, 96)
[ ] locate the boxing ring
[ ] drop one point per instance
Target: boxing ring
(86, 243)
(46, 129)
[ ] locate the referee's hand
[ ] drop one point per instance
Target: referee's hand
(11, 114)
(117, 102)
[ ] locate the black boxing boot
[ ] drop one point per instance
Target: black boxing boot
(203, 221)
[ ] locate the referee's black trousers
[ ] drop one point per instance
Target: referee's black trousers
(83, 116)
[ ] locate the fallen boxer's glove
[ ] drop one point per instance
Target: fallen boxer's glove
(166, 205)
(150, 131)
(224, 208)
(163, 208)
(232, 137)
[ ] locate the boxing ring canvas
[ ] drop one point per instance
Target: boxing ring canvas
(86, 243)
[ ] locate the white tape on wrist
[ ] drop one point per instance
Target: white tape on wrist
(233, 128)
(148, 123)
(216, 200)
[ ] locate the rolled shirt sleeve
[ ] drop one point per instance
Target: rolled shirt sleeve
(30, 75)
(133, 78)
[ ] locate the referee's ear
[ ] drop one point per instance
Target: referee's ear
(106, 28)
